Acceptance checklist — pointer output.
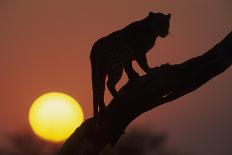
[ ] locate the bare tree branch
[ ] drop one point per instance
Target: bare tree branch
(165, 83)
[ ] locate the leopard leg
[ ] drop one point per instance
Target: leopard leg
(131, 73)
(98, 86)
(113, 77)
(142, 61)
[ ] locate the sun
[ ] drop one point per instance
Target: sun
(54, 116)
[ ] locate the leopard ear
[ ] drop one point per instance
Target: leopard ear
(151, 14)
(169, 16)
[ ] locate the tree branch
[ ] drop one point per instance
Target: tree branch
(164, 84)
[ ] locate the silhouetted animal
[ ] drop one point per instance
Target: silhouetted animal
(110, 54)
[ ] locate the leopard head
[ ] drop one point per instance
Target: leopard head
(159, 23)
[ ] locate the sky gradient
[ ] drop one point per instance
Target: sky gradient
(45, 46)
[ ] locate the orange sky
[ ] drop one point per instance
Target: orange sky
(45, 46)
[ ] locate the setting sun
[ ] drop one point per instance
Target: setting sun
(54, 116)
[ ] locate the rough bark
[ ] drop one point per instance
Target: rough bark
(165, 83)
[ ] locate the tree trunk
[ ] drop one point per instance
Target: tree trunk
(165, 83)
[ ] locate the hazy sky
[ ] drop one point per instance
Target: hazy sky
(45, 46)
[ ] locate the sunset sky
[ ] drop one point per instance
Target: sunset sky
(45, 47)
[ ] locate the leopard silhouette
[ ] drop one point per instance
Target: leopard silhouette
(115, 52)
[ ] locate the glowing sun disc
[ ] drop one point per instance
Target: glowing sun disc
(54, 116)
